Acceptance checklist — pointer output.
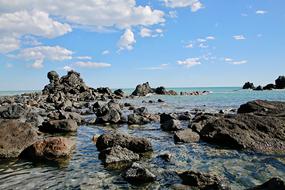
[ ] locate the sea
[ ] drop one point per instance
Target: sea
(241, 169)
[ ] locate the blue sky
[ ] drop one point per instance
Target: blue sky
(120, 43)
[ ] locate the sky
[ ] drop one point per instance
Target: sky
(121, 43)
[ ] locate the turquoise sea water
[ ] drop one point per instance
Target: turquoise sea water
(84, 170)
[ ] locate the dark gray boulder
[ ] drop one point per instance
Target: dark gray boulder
(135, 119)
(14, 111)
(138, 174)
(59, 126)
(280, 82)
(269, 87)
(272, 184)
(186, 136)
(248, 85)
(263, 106)
(135, 144)
(15, 136)
(202, 181)
(142, 90)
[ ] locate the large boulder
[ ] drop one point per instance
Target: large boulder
(202, 180)
(246, 131)
(248, 85)
(51, 148)
(269, 87)
(108, 113)
(118, 155)
(169, 122)
(262, 106)
(134, 144)
(135, 119)
(272, 184)
(15, 136)
(142, 90)
(186, 136)
(280, 82)
(59, 126)
(138, 174)
(14, 111)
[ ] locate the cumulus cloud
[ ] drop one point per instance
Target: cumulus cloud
(40, 54)
(17, 24)
(261, 12)
(190, 62)
(92, 64)
(239, 37)
(127, 40)
(195, 5)
(95, 14)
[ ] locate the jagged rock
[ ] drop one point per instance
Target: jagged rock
(15, 136)
(280, 82)
(117, 154)
(272, 184)
(137, 175)
(248, 85)
(143, 90)
(108, 113)
(169, 122)
(135, 144)
(135, 119)
(258, 88)
(59, 126)
(262, 106)
(104, 90)
(269, 87)
(186, 136)
(202, 181)
(51, 148)
(140, 110)
(14, 111)
(119, 92)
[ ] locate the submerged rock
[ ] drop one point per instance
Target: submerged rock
(186, 136)
(118, 155)
(51, 148)
(137, 175)
(202, 181)
(59, 126)
(15, 136)
(135, 144)
(272, 184)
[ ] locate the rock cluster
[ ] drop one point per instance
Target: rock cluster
(279, 84)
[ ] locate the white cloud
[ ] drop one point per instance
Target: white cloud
(190, 62)
(202, 45)
(92, 64)
(160, 67)
(239, 62)
(96, 14)
(190, 45)
(145, 32)
(105, 52)
(201, 40)
(84, 57)
(228, 59)
(40, 54)
(210, 38)
(239, 37)
(261, 12)
(127, 40)
(17, 24)
(172, 14)
(195, 5)
(67, 68)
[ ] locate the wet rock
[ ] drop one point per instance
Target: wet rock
(12, 111)
(186, 136)
(262, 106)
(272, 184)
(59, 126)
(160, 100)
(119, 92)
(165, 156)
(15, 136)
(166, 117)
(169, 122)
(248, 85)
(135, 144)
(246, 131)
(280, 82)
(143, 90)
(108, 113)
(51, 148)
(117, 154)
(135, 119)
(127, 104)
(202, 181)
(258, 88)
(137, 175)
(269, 87)
(140, 110)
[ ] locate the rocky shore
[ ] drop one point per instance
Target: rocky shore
(34, 126)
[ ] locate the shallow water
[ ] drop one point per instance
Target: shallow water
(85, 171)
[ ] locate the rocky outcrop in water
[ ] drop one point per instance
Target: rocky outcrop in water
(258, 126)
(169, 122)
(15, 136)
(51, 148)
(186, 136)
(145, 89)
(248, 85)
(135, 144)
(202, 181)
(272, 184)
(137, 174)
(280, 82)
